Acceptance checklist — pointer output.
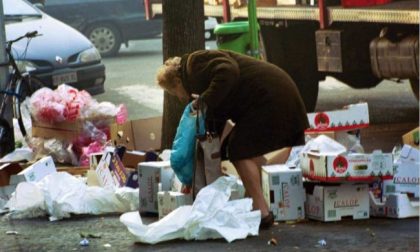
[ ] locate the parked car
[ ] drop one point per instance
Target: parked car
(107, 24)
(60, 55)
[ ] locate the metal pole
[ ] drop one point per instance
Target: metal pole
(9, 144)
(253, 28)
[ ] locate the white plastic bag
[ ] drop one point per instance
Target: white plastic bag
(60, 194)
(211, 216)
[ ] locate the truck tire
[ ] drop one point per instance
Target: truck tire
(106, 38)
(415, 87)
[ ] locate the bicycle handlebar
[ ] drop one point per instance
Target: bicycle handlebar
(31, 34)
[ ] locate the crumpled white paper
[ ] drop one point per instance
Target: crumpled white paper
(323, 145)
(61, 194)
(211, 216)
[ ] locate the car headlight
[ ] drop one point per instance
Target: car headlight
(25, 66)
(89, 55)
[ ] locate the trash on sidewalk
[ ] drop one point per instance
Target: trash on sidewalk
(321, 243)
(169, 201)
(153, 177)
(68, 124)
(60, 194)
(141, 134)
(324, 159)
(35, 172)
(84, 242)
(211, 216)
(18, 155)
(283, 191)
(12, 232)
(327, 202)
(354, 116)
(272, 241)
(398, 197)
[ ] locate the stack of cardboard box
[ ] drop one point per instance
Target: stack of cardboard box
(338, 179)
(399, 197)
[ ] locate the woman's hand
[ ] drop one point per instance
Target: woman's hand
(194, 103)
(186, 189)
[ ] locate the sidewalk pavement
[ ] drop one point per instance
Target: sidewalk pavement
(374, 235)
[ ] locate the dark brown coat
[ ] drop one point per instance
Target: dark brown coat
(258, 96)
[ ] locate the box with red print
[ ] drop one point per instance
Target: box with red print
(354, 116)
(346, 166)
(326, 202)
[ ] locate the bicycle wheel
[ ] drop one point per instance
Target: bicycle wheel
(24, 89)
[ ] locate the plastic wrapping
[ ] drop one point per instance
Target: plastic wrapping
(211, 216)
(60, 194)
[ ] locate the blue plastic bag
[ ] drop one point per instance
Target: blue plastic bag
(183, 148)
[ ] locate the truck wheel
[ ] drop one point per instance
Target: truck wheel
(105, 37)
(415, 87)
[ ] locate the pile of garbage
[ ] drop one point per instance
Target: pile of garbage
(124, 171)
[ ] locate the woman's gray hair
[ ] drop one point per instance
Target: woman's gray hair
(167, 73)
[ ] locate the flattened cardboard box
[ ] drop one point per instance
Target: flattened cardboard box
(141, 135)
(283, 191)
(347, 167)
(332, 202)
(355, 116)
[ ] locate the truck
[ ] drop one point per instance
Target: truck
(358, 42)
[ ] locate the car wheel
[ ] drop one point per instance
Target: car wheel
(105, 37)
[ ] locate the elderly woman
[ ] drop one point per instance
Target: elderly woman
(260, 98)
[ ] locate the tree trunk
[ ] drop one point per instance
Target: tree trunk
(183, 32)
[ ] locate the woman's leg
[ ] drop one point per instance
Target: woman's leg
(250, 172)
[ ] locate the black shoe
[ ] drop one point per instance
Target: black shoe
(267, 221)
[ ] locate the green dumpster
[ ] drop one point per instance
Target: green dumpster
(233, 36)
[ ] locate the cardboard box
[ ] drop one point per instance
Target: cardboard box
(35, 172)
(355, 116)
(62, 130)
(346, 167)
(333, 202)
(395, 205)
(110, 171)
(283, 191)
(94, 159)
(412, 138)
(7, 170)
(406, 178)
(142, 134)
(133, 158)
(153, 177)
(169, 201)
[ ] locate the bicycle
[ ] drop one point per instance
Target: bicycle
(20, 85)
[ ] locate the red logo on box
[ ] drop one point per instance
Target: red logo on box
(340, 164)
(321, 120)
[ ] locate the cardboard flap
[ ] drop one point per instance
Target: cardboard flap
(409, 153)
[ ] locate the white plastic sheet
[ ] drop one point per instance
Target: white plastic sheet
(61, 194)
(211, 216)
(323, 145)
